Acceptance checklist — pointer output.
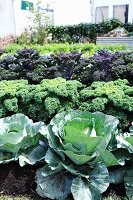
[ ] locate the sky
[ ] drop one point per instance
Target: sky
(71, 11)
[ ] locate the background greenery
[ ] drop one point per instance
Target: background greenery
(87, 49)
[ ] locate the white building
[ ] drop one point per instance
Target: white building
(77, 11)
(72, 12)
(7, 18)
(14, 14)
(107, 9)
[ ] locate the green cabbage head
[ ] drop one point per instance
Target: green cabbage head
(81, 136)
(78, 156)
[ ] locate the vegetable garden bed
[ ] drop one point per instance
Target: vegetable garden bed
(79, 138)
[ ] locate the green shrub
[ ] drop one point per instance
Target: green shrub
(81, 32)
(128, 27)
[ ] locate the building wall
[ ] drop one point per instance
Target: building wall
(71, 11)
(7, 23)
(22, 17)
(111, 3)
(13, 20)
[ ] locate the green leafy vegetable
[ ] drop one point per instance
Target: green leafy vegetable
(18, 138)
(77, 141)
(126, 140)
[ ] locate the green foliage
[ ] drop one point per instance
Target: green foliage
(40, 102)
(78, 140)
(82, 32)
(43, 101)
(41, 32)
(18, 136)
(124, 149)
(128, 27)
(11, 104)
(36, 33)
(126, 140)
(86, 48)
(107, 26)
(114, 97)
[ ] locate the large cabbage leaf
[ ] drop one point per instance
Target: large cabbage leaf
(59, 184)
(91, 188)
(126, 140)
(128, 181)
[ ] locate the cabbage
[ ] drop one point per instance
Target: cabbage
(125, 143)
(78, 155)
(126, 140)
(19, 137)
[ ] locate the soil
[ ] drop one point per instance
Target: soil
(16, 180)
(118, 190)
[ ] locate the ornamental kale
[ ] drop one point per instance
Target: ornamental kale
(66, 63)
(123, 72)
(102, 63)
(27, 64)
(101, 67)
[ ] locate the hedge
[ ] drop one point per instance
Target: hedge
(77, 33)
(80, 33)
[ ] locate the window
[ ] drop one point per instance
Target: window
(26, 5)
(121, 12)
(101, 13)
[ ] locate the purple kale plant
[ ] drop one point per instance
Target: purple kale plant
(66, 63)
(102, 63)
